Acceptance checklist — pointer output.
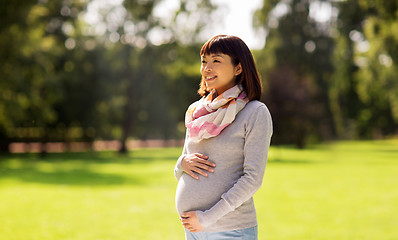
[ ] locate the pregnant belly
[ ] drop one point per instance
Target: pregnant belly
(200, 194)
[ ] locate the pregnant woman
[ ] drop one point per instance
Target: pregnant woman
(225, 152)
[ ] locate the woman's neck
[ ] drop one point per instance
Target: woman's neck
(221, 90)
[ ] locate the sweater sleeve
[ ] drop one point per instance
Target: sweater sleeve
(257, 141)
(178, 169)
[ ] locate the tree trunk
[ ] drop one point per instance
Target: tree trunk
(127, 123)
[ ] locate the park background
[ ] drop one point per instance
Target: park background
(86, 86)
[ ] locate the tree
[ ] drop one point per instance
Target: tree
(145, 90)
(365, 90)
(31, 43)
(298, 51)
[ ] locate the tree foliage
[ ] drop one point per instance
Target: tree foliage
(333, 78)
(66, 80)
(298, 53)
(131, 72)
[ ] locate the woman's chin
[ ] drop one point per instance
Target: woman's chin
(210, 85)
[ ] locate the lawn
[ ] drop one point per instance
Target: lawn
(343, 190)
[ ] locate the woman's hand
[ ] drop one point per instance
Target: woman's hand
(197, 163)
(190, 221)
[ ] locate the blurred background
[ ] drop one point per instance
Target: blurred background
(95, 71)
(80, 76)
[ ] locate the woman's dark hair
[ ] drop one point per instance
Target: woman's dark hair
(235, 48)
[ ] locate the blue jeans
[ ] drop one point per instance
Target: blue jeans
(241, 234)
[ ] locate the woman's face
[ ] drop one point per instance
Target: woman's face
(218, 71)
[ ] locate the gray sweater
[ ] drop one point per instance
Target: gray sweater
(223, 201)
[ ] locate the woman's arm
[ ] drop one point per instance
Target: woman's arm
(257, 141)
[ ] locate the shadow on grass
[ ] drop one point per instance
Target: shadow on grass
(289, 161)
(74, 177)
(139, 156)
(76, 168)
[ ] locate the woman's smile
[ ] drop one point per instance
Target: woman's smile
(211, 78)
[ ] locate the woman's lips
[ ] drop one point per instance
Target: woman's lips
(211, 78)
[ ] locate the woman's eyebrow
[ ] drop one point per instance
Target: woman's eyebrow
(212, 56)
(217, 55)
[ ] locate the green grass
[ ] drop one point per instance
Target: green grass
(343, 190)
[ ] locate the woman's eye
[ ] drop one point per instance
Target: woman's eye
(216, 61)
(203, 61)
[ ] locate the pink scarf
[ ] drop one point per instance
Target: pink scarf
(206, 118)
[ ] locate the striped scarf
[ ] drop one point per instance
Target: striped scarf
(206, 118)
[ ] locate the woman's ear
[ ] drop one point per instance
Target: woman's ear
(238, 69)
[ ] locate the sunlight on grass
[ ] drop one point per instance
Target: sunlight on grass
(343, 190)
(83, 196)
